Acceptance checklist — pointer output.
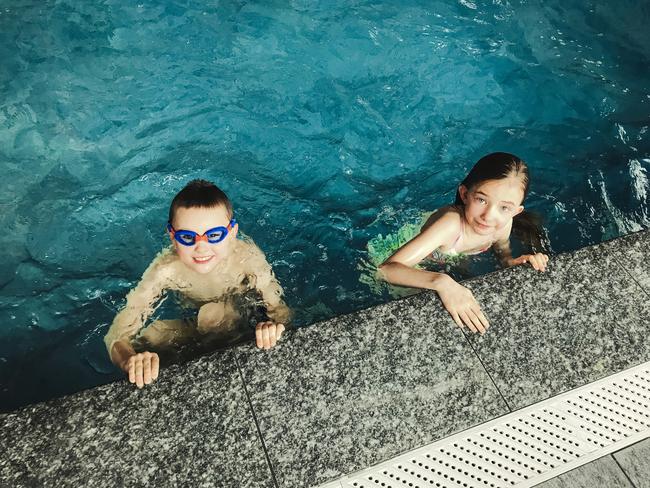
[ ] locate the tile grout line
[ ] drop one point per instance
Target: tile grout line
(487, 371)
(621, 468)
(629, 273)
(257, 424)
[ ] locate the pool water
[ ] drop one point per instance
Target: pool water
(327, 123)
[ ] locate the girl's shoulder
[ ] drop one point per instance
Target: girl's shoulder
(447, 218)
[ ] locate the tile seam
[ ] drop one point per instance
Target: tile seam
(480, 360)
(629, 273)
(257, 424)
(623, 470)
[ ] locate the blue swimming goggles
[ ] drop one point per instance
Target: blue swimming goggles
(190, 238)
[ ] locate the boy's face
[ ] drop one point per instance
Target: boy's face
(490, 205)
(203, 256)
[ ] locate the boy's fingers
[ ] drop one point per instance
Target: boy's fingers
(138, 372)
(155, 366)
(132, 370)
(258, 336)
(265, 336)
(146, 368)
(280, 330)
(272, 334)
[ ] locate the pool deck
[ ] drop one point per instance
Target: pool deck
(355, 390)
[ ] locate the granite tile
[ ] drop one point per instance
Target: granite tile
(581, 320)
(601, 472)
(193, 427)
(631, 252)
(635, 462)
(365, 387)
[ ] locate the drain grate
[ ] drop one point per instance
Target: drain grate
(528, 446)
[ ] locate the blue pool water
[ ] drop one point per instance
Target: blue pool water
(327, 123)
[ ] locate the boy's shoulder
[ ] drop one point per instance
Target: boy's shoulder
(246, 250)
(164, 266)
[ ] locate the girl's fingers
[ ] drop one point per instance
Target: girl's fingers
(467, 321)
(456, 318)
(534, 262)
(481, 316)
(476, 321)
(280, 330)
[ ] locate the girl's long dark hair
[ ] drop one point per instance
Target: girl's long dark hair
(526, 226)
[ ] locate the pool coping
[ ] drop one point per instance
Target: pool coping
(348, 392)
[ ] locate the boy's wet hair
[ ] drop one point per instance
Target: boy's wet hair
(200, 193)
(526, 226)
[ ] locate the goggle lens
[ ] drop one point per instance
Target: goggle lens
(213, 236)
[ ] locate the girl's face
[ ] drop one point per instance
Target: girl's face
(203, 256)
(491, 205)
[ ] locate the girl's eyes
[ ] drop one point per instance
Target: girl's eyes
(480, 200)
(506, 209)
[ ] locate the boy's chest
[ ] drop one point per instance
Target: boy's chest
(214, 286)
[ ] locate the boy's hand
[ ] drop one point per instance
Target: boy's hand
(142, 368)
(537, 261)
(267, 334)
(462, 306)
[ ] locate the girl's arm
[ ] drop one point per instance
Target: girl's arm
(398, 268)
(502, 250)
(458, 300)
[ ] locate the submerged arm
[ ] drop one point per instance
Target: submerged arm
(132, 318)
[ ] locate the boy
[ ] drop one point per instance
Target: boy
(210, 268)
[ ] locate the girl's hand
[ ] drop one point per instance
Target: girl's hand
(462, 306)
(537, 261)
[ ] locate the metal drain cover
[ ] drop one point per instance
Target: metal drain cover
(528, 446)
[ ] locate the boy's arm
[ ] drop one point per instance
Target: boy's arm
(267, 284)
(139, 305)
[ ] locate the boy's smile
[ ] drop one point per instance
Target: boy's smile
(203, 256)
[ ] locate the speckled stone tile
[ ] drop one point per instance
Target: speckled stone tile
(583, 319)
(635, 461)
(193, 427)
(362, 388)
(632, 253)
(603, 472)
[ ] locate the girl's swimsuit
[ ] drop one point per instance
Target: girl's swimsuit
(451, 254)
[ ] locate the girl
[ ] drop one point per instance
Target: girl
(488, 207)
